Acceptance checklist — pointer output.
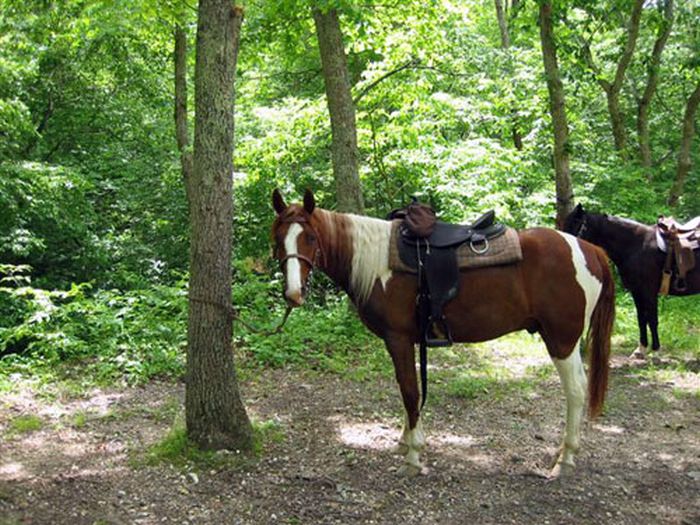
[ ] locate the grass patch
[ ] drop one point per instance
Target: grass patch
(79, 419)
(25, 424)
(178, 450)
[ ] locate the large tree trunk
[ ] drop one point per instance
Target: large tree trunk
(181, 133)
(344, 152)
(652, 80)
(565, 197)
(505, 43)
(215, 415)
(684, 160)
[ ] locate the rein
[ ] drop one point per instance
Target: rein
(233, 314)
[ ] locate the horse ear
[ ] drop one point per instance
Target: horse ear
(278, 202)
(309, 201)
(579, 208)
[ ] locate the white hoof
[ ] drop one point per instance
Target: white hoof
(639, 353)
(561, 471)
(410, 470)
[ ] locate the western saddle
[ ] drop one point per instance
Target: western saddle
(430, 247)
(681, 242)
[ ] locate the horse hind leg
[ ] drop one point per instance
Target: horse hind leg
(574, 383)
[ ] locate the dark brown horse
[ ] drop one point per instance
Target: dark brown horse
(633, 248)
(561, 289)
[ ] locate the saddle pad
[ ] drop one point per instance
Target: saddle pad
(504, 249)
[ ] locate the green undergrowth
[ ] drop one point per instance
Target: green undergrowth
(679, 326)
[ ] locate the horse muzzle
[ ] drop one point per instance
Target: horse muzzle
(294, 298)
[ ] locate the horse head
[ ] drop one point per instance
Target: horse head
(297, 245)
(577, 222)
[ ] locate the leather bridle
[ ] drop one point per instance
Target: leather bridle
(313, 263)
(583, 225)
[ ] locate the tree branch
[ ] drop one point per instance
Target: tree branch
(411, 63)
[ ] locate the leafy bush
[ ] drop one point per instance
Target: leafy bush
(134, 335)
(47, 222)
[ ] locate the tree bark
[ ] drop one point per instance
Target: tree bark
(684, 160)
(612, 89)
(181, 133)
(215, 415)
(505, 43)
(344, 152)
(652, 80)
(557, 109)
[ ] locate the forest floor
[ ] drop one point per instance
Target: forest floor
(328, 452)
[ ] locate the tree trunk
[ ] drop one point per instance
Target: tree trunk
(612, 89)
(650, 88)
(684, 160)
(344, 152)
(215, 415)
(565, 197)
(181, 133)
(505, 43)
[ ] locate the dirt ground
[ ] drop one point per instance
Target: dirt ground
(333, 463)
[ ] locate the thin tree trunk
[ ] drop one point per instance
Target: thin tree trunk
(344, 152)
(565, 197)
(652, 80)
(505, 43)
(215, 415)
(181, 133)
(612, 89)
(684, 160)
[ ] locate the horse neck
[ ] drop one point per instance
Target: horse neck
(336, 243)
(356, 251)
(618, 238)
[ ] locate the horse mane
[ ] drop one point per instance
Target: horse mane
(357, 248)
(370, 254)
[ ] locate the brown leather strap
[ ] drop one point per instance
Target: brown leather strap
(298, 256)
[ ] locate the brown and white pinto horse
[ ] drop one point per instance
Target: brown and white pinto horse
(561, 289)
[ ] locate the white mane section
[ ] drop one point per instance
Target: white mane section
(370, 254)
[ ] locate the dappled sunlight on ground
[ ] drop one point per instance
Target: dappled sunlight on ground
(374, 436)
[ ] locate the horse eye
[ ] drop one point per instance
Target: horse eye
(310, 237)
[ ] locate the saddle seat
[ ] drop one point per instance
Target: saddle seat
(448, 235)
(692, 226)
(679, 242)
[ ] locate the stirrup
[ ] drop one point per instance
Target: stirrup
(444, 338)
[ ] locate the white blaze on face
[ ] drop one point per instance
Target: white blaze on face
(293, 267)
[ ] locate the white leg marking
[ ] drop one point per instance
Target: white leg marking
(588, 282)
(293, 267)
(574, 382)
(413, 441)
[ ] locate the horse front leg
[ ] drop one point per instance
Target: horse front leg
(653, 319)
(574, 383)
(640, 304)
(412, 438)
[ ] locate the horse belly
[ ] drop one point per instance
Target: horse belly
(491, 302)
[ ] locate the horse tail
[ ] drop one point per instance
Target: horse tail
(598, 340)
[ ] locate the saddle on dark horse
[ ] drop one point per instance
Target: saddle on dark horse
(429, 247)
(679, 242)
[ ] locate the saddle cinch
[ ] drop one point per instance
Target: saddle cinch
(429, 247)
(679, 242)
